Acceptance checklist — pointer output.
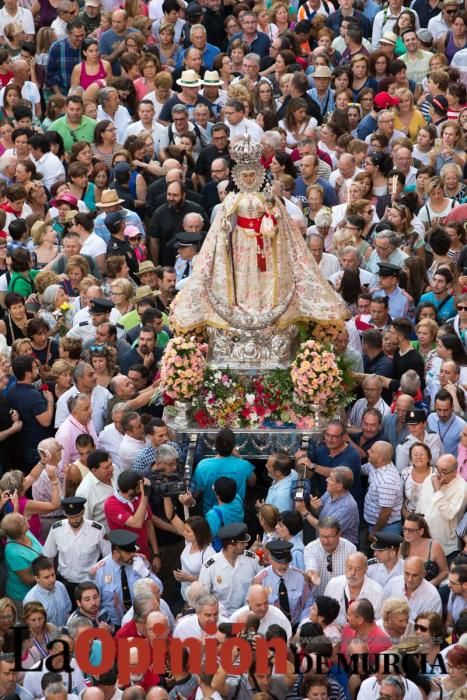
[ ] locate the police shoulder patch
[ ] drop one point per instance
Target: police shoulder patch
(59, 523)
(84, 323)
(250, 554)
(98, 526)
(209, 562)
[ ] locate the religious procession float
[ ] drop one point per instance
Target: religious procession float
(254, 325)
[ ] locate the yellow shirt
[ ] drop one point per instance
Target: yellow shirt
(415, 125)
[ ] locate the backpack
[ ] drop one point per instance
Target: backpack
(216, 541)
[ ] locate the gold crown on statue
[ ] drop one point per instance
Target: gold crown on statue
(247, 152)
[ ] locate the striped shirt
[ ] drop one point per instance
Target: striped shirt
(359, 408)
(384, 491)
(316, 559)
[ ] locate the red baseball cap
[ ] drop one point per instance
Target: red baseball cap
(383, 100)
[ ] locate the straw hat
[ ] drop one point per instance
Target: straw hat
(109, 198)
(144, 292)
(145, 267)
(190, 78)
(211, 77)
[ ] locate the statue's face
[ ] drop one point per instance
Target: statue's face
(249, 177)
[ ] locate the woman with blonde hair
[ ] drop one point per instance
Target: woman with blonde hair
(121, 293)
(43, 632)
(437, 206)
(169, 50)
(279, 16)
(21, 346)
(61, 377)
(410, 242)
(315, 198)
(407, 117)
(395, 619)
(449, 148)
(45, 242)
(8, 617)
(17, 484)
(268, 517)
(360, 67)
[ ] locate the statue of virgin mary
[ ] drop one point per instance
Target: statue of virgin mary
(254, 270)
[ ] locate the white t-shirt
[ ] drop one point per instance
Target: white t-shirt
(23, 17)
(93, 246)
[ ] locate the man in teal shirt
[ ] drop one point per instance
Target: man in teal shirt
(229, 508)
(223, 464)
(73, 126)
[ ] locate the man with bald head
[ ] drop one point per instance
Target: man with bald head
(257, 602)
(361, 625)
(383, 500)
(395, 428)
(412, 586)
(112, 42)
(443, 499)
(354, 585)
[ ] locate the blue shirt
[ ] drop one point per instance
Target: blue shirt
(326, 103)
(345, 509)
(210, 469)
(349, 457)
(448, 309)
(367, 126)
(29, 402)
(260, 44)
(56, 602)
(225, 513)
(131, 217)
(371, 9)
(62, 59)
(330, 196)
(280, 492)
(209, 54)
(449, 431)
(334, 21)
(108, 579)
(398, 301)
(108, 42)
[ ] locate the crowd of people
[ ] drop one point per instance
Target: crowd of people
(116, 126)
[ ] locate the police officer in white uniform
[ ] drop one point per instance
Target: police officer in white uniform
(118, 572)
(287, 586)
(79, 543)
(187, 245)
(229, 573)
(99, 312)
(416, 423)
(386, 564)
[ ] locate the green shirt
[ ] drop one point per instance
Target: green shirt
(70, 135)
(21, 285)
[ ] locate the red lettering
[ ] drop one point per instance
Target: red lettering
(195, 649)
(124, 666)
(263, 655)
(82, 649)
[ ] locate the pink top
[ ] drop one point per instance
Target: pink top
(86, 80)
(34, 521)
(142, 89)
(462, 462)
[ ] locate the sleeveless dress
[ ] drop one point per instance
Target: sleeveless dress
(86, 80)
(451, 48)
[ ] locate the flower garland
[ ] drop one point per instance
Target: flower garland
(183, 369)
(315, 374)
